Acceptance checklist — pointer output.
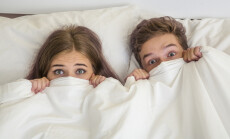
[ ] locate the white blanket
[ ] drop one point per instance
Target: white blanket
(179, 101)
(55, 113)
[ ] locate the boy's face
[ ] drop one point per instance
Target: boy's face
(158, 49)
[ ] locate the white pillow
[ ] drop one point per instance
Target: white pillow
(22, 37)
(200, 32)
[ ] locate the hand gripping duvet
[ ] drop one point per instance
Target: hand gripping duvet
(179, 101)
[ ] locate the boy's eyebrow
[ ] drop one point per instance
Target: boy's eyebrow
(146, 55)
(169, 45)
(77, 64)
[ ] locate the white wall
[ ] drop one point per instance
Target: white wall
(175, 8)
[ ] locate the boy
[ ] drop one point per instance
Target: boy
(157, 40)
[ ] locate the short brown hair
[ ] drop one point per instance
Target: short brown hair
(70, 38)
(150, 28)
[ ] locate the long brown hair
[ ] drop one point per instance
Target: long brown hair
(147, 29)
(70, 38)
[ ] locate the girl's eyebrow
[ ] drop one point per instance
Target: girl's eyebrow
(80, 64)
(57, 65)
(77, 64)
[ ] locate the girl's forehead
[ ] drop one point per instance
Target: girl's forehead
(70, 56)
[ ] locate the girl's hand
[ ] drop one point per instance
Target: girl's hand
(192, 54)
(139, 74)
(96, 80)
(39, 85)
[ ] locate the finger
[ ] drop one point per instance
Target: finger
(189, 54)
(137, 75)
(93, 76)
(197, 52)
(35, 86)
(43, 84)
(32, 85)
(193, 56)
(39, 85)
(47, 82)
(146, 74)
(142, 74)
(90, 81)
(102, 78)
(99, 80)
(185, 55)
(94, 80)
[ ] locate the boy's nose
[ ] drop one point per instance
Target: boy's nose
(162, 59)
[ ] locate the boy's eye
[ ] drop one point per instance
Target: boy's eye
(80, 71)
(153, 61)
(171, 54)
(58, 72)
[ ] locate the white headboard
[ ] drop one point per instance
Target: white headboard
(174, 8)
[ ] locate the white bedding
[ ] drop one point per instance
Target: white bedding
(179, 101)
(56, 113)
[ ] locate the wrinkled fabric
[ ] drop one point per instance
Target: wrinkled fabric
(55, 113)
(179, 101)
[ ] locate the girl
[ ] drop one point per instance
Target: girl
(72, 51)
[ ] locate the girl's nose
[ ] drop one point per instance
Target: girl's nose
(70, 74)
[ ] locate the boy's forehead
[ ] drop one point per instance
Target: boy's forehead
(160, 41)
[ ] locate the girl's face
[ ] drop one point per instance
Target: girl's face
(72, 64)
(158, 49)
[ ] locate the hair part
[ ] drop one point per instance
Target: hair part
(147, 29)
(70, 38)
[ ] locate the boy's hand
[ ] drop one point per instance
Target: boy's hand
(39, 85)
(139, 74)
(192, 54)
(96, 80)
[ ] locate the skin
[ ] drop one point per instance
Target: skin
(66, 64)
(70, 64)
(162, 48)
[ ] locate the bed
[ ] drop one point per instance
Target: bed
(158, 109)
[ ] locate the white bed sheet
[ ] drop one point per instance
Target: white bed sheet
(178, 101)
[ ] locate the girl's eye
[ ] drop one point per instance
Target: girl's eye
(153, 61)
(59, 72)
(172, 54)
(80, 71)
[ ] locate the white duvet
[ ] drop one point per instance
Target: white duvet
(179, 101)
